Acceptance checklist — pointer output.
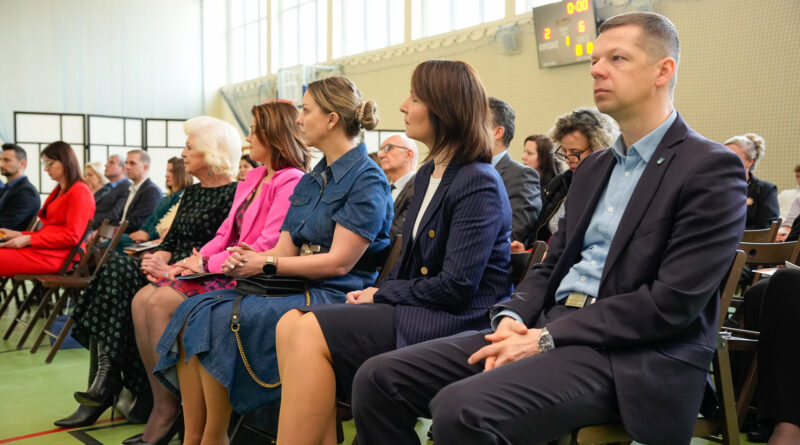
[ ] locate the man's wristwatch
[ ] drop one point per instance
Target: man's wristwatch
(545, 341)
(271, 266)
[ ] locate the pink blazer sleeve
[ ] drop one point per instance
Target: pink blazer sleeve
(273, 205)
(220, 241)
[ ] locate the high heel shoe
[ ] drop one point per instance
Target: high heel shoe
(106, 385)
(85, 415)
(175, 428)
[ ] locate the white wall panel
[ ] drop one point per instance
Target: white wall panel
(43, 128)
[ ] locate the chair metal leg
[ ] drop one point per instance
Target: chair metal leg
(13, 294)
(21, 310)
(52, 318)
(60, 339)
(31, 323)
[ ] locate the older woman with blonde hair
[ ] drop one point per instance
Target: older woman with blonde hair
(94, 177)
(103, 315)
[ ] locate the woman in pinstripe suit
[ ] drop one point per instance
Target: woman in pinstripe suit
(454, 267)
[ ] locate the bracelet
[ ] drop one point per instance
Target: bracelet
(203, 263)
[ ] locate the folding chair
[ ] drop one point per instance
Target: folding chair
(5, 293)
(741, 340)
(37, 294)
(767, 235)
(722, 428)
(105, 241)
(6, 281)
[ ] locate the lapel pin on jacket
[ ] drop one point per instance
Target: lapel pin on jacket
(660, 161)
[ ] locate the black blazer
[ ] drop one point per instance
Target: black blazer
(142, 206)
(109, 203)
(658, 304)
(762, 203)
(401, 205)
(459, 264)
(524, 195)
(18, 205)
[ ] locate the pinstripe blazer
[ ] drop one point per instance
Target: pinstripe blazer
(459, 264)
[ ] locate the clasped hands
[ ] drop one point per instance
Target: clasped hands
(244, 261)
(511, 341)
(362, 296)
(155, 266)
(13, 239)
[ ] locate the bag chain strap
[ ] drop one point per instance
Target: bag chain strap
(235, 328)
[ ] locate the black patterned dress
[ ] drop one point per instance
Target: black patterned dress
(104, 311)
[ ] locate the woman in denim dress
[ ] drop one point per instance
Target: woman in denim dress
(341, 211)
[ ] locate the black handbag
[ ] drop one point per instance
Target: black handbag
(271, 286)
(263, 285)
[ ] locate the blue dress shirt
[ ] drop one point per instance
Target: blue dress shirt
(584, 276)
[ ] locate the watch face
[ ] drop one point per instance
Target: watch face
(269, 267)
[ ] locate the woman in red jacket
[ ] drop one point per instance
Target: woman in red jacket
(64, 217)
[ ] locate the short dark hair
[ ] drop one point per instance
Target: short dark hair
(144, 158)
(503, 116)
(797, 168)
(19, 151)
(62, 152)
(458, 109)
(250, 161)
(659, 36)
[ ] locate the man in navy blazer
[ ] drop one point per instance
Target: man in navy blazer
(619, 324)
(111, 198)
(143, 194)
(521, 182)
(19, 199)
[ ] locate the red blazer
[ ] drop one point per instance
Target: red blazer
(64, 218)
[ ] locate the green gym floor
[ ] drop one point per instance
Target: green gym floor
(34, 394)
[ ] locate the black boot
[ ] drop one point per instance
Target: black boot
(106, 385)
(83, 416)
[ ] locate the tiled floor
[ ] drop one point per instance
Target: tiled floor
(34, 394)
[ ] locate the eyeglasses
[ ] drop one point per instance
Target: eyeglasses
(388, 147)
(570, 154)
(254, 129)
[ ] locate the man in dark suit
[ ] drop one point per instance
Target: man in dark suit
(111, 198)
(398, 159)
(619, 323)
(143, 194)
(521, 181)
(19, 199)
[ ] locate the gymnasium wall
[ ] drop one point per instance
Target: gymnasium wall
(739, 73)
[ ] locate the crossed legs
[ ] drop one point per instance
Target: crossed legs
(151, 308)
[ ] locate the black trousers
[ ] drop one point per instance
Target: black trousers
(778, 356)
(536, 399)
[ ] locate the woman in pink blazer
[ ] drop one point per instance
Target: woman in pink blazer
(259, 207)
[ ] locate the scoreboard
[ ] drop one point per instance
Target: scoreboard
(565, 32)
